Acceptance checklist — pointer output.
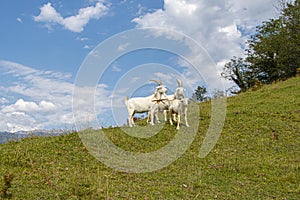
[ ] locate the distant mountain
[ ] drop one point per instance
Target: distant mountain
(8, 136)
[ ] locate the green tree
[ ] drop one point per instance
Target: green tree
(200, 93)
(237, 70)
(274, 50)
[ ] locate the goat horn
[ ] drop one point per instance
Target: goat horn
(179, 83)
(158, 82)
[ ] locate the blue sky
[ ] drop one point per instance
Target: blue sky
(44, 44)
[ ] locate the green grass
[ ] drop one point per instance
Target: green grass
(256, 157)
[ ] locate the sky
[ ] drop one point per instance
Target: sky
(48, 47)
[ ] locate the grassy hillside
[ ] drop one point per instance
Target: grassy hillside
(256, 157)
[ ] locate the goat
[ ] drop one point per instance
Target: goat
(144, 104)
(175, 103)
(162, 104)
(164, 108)
(179, 94)
(179, 107)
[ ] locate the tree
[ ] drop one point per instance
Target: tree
(274, 50)
(291, 19)
(237, 70)
(199, 93)
(272, 53)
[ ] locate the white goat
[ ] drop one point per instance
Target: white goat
(162, 104)
(174, 104)
(144, 104)
(179, 107)
(163, 108)
(179, 94)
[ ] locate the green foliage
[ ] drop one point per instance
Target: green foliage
(273, 51)
(200, 93)
(237, 70)
(256, 157)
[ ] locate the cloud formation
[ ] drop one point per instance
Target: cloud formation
(36, 99)
(74, 23)
(29, 107)
(220, 26)
(122, 47)
(33, 98)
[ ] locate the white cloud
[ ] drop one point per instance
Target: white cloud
(74, 23)
(122, 47)
(19, 20)
(87, 46)
(82, 38)
(17, 121)
(135, 79)
(181, 7)
(3, 100)
(207, 21)
(86, 109)
(141, 9)
(49, 14)
(29, 107)
(169, 78)
(220, 26)
(40, 99)
(115, 68)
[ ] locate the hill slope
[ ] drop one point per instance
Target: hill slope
(256, 157)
